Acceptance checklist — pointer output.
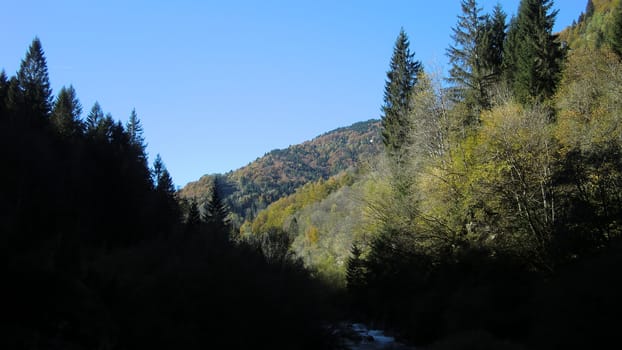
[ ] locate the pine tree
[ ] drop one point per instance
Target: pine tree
(589, 9)
(355, 273)
(34, 84)
(491, 47)
(535, 55)
(66, 113)
(96, 115)
(401, 78)
(193, 219)
(4, 91)
(135, 130)
(467, 72)
(216, 212)
(616, 39)
(136, 138)
(158, 166)
(510, 52)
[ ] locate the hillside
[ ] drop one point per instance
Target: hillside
(593, 27)
(280, 172)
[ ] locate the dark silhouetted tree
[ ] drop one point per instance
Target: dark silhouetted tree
(66, 113)
(4, 91)
(217, 213)
(135, 131)
(355, 273)
(34, 84)
(95, 116)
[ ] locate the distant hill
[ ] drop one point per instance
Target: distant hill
(280, 172)
(592, 28)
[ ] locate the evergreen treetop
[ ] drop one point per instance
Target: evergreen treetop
(66, 113)
(34, 83)
(401, 78)
(535, 54)
(94, 117)
(466, 72)
(615, 40)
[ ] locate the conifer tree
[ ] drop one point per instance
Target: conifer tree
(165, 183)
(135, 130)
(158, 169)
(589, 9)
(66, 113)
(137, 141)
(34, 84)
(534, 56)
(616, 38)
(4, 91)
(401, 78)
(467, 72)
(355, 273)
(95, 116)
(510, 52)
(216, 212)
(193, 219)
(492, 44)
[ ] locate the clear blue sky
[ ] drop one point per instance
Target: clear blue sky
(217, 84)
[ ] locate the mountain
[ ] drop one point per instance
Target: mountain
(593, 27)
(280, 172)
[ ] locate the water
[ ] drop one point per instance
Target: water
(358, 336)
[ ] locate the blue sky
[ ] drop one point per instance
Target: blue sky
(217, 84)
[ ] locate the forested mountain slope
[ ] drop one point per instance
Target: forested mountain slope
(280, 172)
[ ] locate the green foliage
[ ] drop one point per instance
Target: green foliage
(491, 46)
(616, 31)
(534, 56)
(280, 173)
(529, 193)
(401, 78)
(467, 72)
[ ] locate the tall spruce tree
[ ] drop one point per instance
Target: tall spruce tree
(401, 78)
(615, 41)
(95, 116)
(216, 212)
(589, 9)
(135, 130)
(66, 113)
(534, 55)
(491, 46)
(34, 84)
(467, 73)
(137, 141)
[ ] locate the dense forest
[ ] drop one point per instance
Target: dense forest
(279, 173)
(483, 210)
(99, 253)
(493, 214)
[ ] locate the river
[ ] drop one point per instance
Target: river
(358, 336)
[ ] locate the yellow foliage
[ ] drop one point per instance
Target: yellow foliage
(312, 234)
(589, 101)
(275, 215)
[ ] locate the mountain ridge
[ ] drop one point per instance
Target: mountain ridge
(280, 172)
